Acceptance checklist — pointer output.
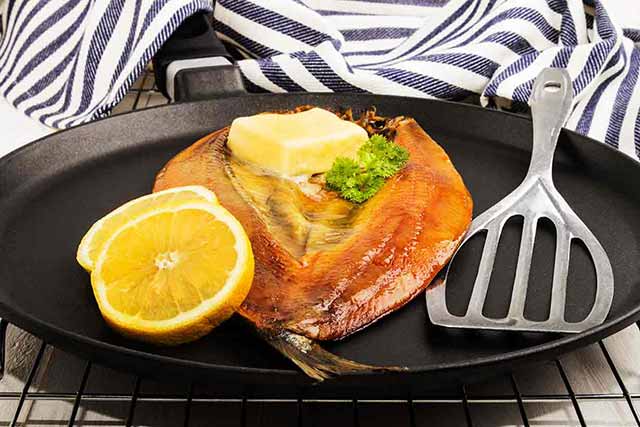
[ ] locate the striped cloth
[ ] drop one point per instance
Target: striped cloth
(448, 50)
(65, 62)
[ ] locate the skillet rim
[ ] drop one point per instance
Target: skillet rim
(562, 344)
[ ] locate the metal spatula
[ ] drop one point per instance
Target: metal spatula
(535, 198)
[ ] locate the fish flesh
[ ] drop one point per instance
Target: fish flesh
(325, 267)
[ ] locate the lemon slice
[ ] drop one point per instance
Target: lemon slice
(92, 242)
(170, 275)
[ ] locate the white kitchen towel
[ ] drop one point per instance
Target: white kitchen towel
(66, 62)
(448, 50)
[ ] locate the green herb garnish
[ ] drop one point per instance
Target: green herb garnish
(357, 181)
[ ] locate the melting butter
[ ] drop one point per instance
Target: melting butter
(299, 213)
(296, 144)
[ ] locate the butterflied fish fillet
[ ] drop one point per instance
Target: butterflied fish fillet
(325, 267)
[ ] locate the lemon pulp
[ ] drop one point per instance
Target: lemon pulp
(99, 233)
(172, 274)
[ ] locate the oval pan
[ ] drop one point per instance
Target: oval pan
(52, 190)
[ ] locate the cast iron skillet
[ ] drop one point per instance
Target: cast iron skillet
(52, 190)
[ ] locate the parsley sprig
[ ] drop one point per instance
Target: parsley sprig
(357, 181)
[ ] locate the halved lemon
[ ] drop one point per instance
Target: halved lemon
(93, 241)
(169, 275)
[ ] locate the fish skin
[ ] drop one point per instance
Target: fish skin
(407, 232)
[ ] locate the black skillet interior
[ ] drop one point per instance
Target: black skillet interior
(50, 193)
(53, 190)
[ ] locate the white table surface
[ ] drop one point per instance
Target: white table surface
(587, 369)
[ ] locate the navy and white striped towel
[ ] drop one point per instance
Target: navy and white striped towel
(65, 62)
(449, 50)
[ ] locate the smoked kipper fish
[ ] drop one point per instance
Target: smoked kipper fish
(325, 267)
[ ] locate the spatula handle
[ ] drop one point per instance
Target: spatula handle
(550, 102)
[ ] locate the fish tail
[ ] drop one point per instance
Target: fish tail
(315, 361)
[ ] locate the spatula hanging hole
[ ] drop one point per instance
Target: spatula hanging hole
(538, 299)
(552, 87)
(462, 274)
(496, 306)
(581, 283)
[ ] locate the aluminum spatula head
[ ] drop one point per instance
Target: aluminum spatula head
(535, 198)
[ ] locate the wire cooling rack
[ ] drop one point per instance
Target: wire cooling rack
(43, 386)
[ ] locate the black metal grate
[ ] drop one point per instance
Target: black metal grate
(80, 397)
(144, 94)
(188, 399)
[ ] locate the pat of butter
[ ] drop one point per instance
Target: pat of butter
(295, 144)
